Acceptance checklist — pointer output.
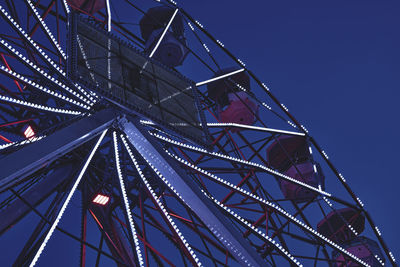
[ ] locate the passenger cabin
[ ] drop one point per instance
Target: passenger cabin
(172, 50)
(88, 6)
(233, 104)
(363, 248)
(291, 156)
(335, 225)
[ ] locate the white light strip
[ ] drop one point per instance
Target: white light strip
(36, 106)
(292, 124)
(260, 166)
(66, 202)
(271, 205)
(164, 32)
(173, 95)
(250, 127)
(109, 44)
(304, 128)
(198, 23)
(264, 236)
(219, 77)
(23, 142)
(126, 202)
(108, 15)
(159, 203)
(391, 255)
(47, 29)
(66, 6)
(86, 60)
(43, 89)
(379, 259)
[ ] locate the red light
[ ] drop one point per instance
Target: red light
(101, 199)
(29, 132)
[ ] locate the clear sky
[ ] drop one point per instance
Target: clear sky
(336, 66)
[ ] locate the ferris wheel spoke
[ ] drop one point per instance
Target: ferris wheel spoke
(46, 29)
(250, 227)
(255, 128)
(189, 252)
(17, 77)
(219, 78)
(34, 106)
(126, 202)
(237, 160)
(23, 142)
(41, 72)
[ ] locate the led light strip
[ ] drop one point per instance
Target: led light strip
(36, 106)
(271, 205)
(47, 29)
(66, 6)
(23, 142)
(43, 89)
(260, 166)
(126, 202)
(257, 231)
(164, 32)
(219, 77)
(391, 255)
(42, 72)
(159, 203)
(66, 202)
(86, 61)
(251, 127)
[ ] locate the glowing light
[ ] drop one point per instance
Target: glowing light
(29, 132)
(101, 199)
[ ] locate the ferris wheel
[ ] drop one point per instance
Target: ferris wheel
(130, 136)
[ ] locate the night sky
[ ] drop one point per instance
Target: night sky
(335, 65)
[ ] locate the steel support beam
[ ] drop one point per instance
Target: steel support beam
(16, 166)
(201, 205)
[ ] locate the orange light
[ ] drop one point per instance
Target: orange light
(101, 199)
